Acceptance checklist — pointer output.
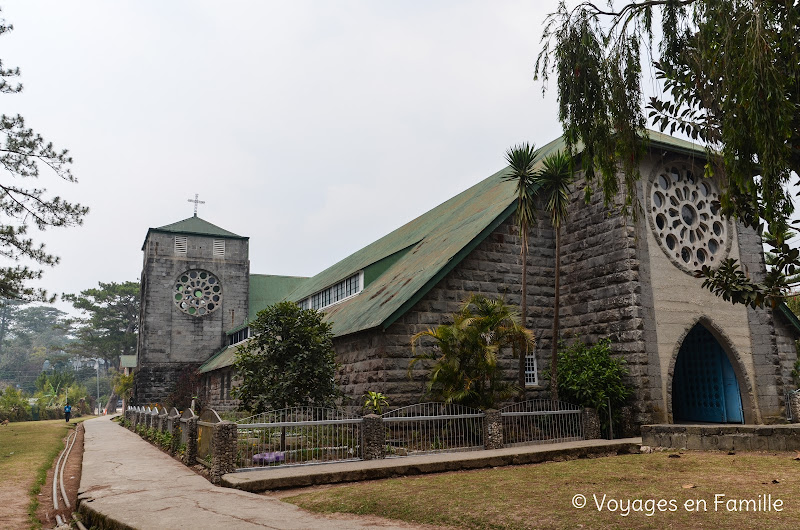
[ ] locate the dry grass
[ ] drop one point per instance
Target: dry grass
(540, 496)
(27, 451)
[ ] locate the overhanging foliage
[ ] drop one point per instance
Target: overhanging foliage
(731, 74)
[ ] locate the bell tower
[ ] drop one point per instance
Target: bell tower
(194, 288)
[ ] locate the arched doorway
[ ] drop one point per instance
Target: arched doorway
(704, 385)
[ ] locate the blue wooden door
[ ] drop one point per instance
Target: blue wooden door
(704, 387)
(733, 399)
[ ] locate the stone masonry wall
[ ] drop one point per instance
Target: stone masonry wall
(378, 360)
(154, 382)
(772, 338)
(361, 365)
(787, 349)
(611, 286)
(211, 384)
(167, 335)
(602, 294)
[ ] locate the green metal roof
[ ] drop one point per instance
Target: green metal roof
(432, 244)
(221, 359)
(266, 289)
(436, 242)
(401, 267)
(676, 145)
(789, 315)
(195, 226)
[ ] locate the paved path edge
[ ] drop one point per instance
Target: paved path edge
(99, 519)
(303, 476)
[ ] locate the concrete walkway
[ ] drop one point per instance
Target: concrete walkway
(128, 483)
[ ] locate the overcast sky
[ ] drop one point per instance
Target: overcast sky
(312, 127)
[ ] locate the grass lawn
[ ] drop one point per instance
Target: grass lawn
(27, 450)
(541, 495)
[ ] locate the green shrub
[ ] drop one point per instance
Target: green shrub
(589, 377)
(163, 439)
(374, 402)
(14, 405)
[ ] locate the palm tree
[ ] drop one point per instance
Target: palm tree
(552, 183)
(776, 237)
(521, 159)
(465, 353)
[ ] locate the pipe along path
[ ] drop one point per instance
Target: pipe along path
(58, 473)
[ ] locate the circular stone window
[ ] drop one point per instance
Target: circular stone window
(684, 215)
(197, 293)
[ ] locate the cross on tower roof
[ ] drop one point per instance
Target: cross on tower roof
(196, 202)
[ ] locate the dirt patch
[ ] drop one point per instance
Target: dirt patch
(72, 480)
(14, 502)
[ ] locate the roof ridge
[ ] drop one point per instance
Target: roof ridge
(196, 225)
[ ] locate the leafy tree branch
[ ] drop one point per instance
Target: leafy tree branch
(731, 77)
(22, 152)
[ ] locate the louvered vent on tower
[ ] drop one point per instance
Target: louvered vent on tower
(180, 245)
(219, 248)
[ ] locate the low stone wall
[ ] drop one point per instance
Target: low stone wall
(277, 478)
(723, 437)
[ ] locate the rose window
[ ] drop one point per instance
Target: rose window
(197, 293)
(684, 212)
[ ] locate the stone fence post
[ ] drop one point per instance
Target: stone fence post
(627, 425)
(223, 447)
(492, 429)
(794, 405)
(373, 437)
(162, 420)
(591, 424)
(174, 427)
(190, 457)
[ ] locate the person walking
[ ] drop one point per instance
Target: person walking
(67, 412)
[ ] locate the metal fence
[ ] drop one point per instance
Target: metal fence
(300, 435)
(433, 428)
(541, 421)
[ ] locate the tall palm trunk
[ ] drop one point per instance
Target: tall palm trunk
(521, 160)
(556, 304)
(523, 309)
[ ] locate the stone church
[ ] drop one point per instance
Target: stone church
(691, 356)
